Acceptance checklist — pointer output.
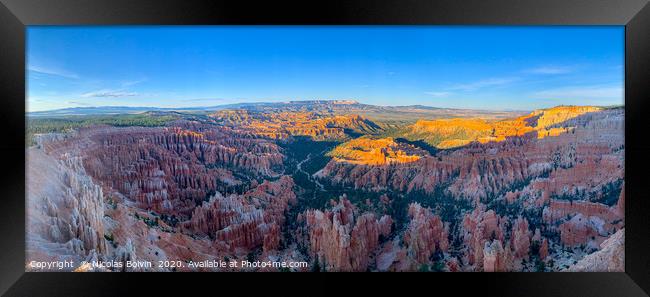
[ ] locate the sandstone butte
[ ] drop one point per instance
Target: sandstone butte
(450, 133)
(369, 151)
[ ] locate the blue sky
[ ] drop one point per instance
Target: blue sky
(489, 67)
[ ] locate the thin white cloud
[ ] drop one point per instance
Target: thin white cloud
(204, 99)
(78, 103)
(109, 93)
(52, 71)
(133, 82)
(583, 93)
(551, 70)
(438, 94)
(484, 83)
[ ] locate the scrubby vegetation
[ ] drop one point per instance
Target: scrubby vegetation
(68, 123)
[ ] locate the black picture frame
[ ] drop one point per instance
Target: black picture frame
(15, 15)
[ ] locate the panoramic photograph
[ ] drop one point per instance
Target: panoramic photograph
(325, 149)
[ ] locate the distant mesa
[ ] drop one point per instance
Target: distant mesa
(344, 102)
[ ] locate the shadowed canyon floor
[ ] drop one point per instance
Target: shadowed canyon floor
(338, 185)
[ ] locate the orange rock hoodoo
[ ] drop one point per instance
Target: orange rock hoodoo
(341, 240)
(425, 234)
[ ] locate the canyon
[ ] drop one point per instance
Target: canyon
(339, 185)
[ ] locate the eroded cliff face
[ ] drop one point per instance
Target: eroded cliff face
(65, 210)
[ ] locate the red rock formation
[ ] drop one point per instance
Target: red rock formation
(272, 238)
(543, 249)
(372, 151)
(589, 157)
(170, 170)
(494, 258)
(283, 124)
(342, 241)
(478, 227)
(520, 238)
(246, 221)
(472, 172)
(560, 209)
(424, 234)
(579, 230)
(392, 257)
(582, 221)
(455, 132)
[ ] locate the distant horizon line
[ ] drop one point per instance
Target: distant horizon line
(335, 101)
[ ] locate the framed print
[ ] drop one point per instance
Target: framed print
(499, 143)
